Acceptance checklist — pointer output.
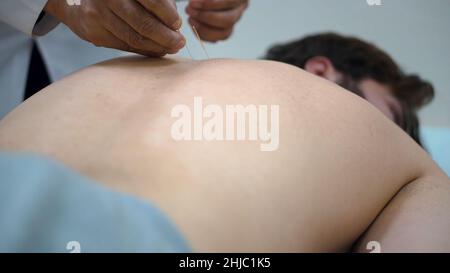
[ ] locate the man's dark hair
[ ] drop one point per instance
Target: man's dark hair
(360, 60)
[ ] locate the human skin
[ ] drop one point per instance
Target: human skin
(343, 174)
(147, 27)
(215, 19)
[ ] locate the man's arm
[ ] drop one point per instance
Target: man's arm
(24, 14)
(416, 220)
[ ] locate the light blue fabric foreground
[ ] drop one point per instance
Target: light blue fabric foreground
(437, 141)
(44, 206)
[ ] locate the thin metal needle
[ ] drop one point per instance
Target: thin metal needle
(189, 51)
(200, 40)
(187, 47)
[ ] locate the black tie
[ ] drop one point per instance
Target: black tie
(38, 77)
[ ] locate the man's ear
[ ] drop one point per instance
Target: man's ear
(323, 67)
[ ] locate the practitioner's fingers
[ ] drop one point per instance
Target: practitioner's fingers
(219, 19)
(209, 33)
(131, 38)
(165, 11)
(153, 20)
(105, 38)
(148, 25)
(216, 18)
(217, 5)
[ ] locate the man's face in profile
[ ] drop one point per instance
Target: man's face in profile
(365, 70)
(380, 96)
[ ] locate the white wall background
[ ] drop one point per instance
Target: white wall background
(415, 32)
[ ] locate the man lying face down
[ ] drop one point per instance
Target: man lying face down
(340, 178)
(363, 69)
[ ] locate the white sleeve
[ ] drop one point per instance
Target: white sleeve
(23, 15)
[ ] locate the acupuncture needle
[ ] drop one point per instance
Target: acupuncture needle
(187, 46)
(200, 40)
(189, 51)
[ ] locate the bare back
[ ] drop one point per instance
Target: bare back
(338, 163)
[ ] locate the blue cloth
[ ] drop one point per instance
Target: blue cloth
(45, 207)
(437, 142)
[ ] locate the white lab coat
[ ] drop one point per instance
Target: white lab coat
(63, 52)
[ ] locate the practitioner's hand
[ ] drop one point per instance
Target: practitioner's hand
(147, 27)
(215, 19)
